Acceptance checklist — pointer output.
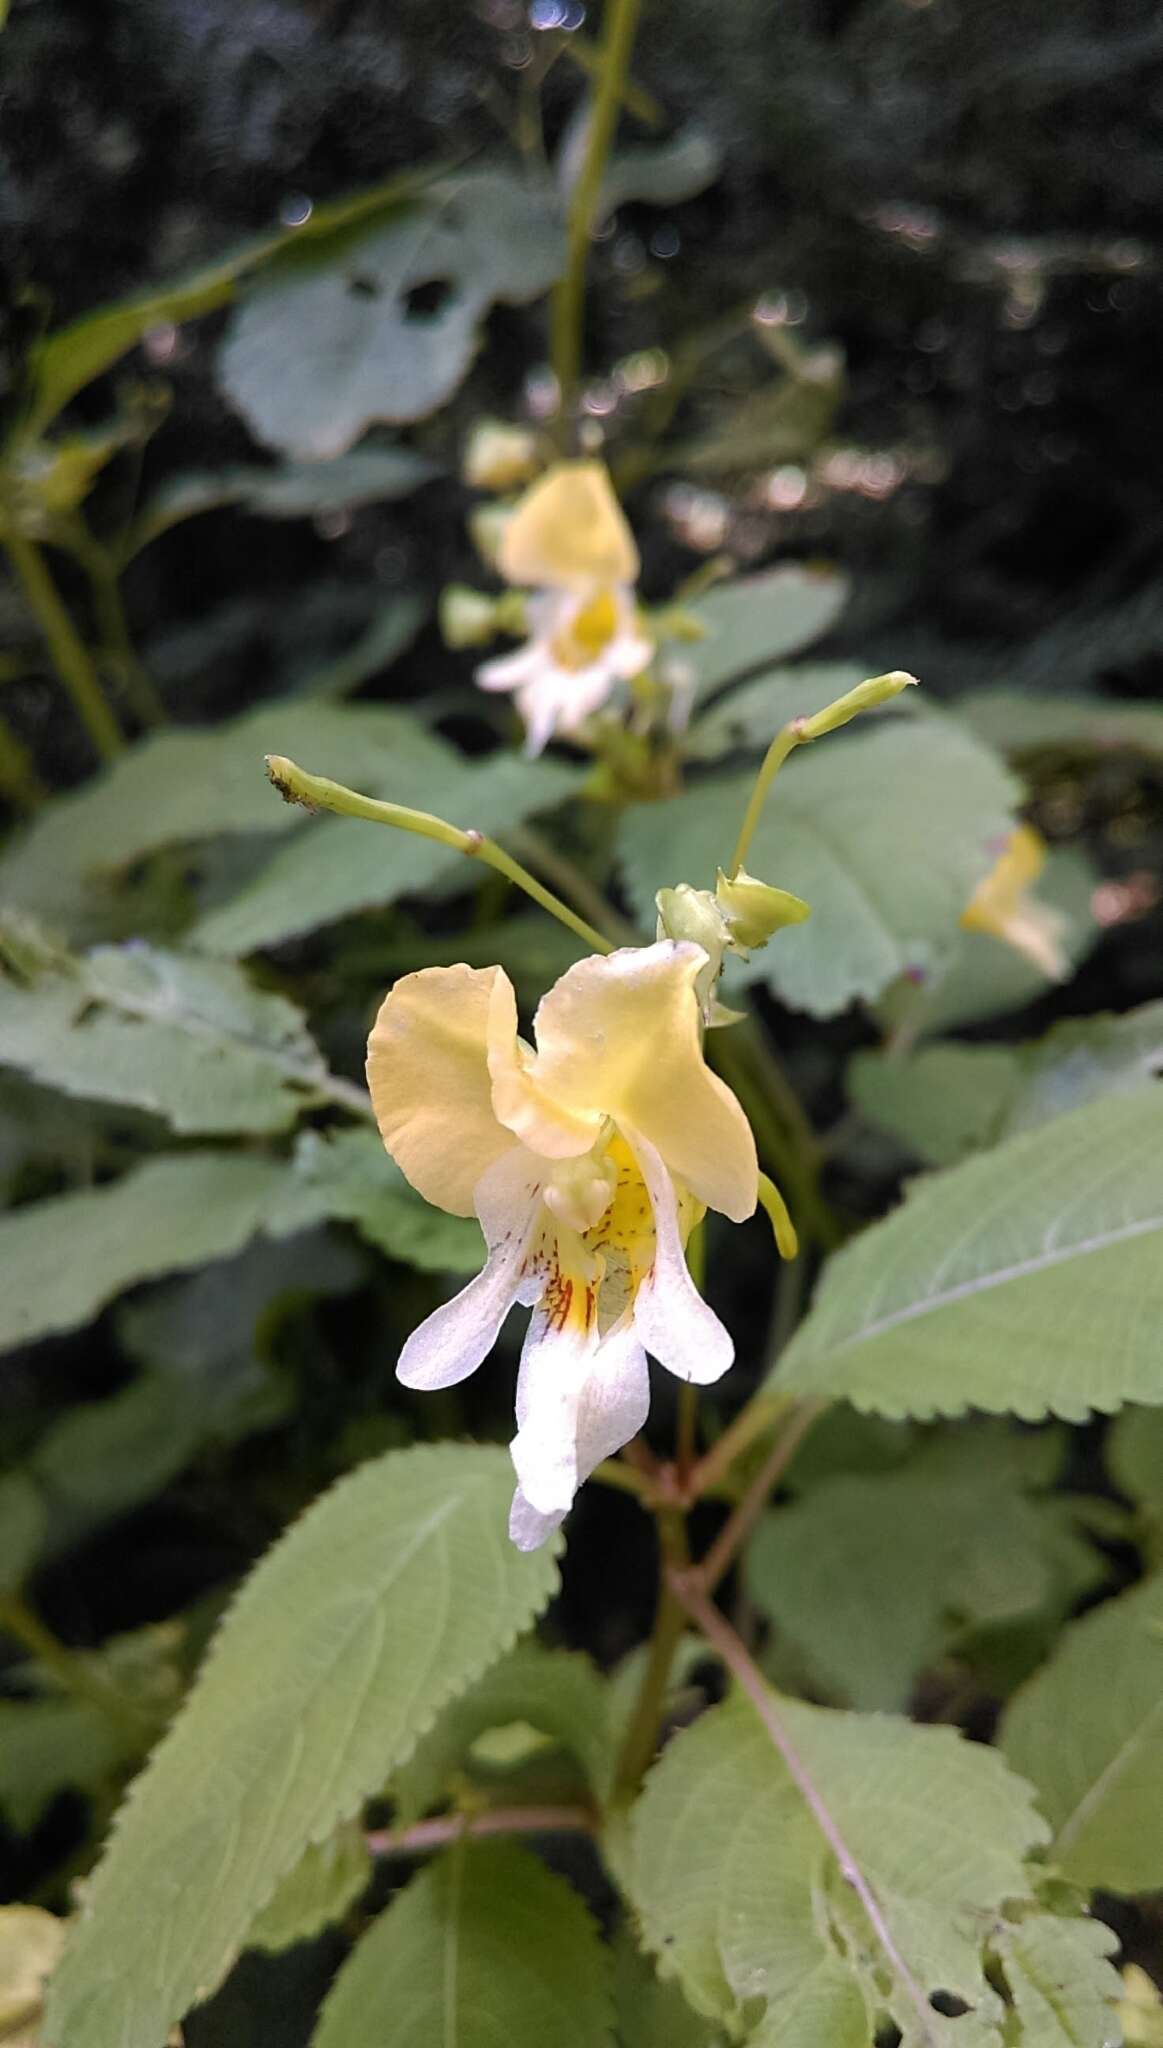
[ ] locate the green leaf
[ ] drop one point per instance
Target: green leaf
(783, 420)
(1061, 1982)
(349, 1176)
(1134, 1455)
(328, 341)
(948, 1100)
(384, 1601)
(177, 787)
(294, 490)
(1102, 1788)
(735, 1886)
(63, 1259)
(873, 1578)
(885, 834)
(659, 173)
(335, 867)
(328, 1878)
(189, 1040)
(70, 357)
(1030, 721)
(760, 620)
(651, 2012)
(943, 1102)
(48, 1746)
(750, 717)
(485, 1947)
(1027, 1280)
(558, 1694)
(22, 1529)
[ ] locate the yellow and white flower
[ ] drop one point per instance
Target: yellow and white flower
(588, 1159)
(568, 542)
(1005, 906)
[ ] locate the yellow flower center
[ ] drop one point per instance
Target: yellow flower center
(588, 634)
(592, 1275)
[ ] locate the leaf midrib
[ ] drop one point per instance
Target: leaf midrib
(986, 1283)
(1109, 1775)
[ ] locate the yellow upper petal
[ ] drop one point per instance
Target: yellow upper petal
(620, 1036)
(1017, 869)
(428, 1071)
(569, 532)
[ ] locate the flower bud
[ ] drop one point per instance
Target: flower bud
(467, 617)
(486, 526)
(754, 911)
(499, 457)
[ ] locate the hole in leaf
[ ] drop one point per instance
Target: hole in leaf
(427, 301)
(948, 2004)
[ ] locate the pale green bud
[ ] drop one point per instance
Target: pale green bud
(467, 617)
(693, 914)
(486, 526)
(753, 911)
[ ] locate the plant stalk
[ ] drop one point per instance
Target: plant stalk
(73, 1671)
(446, 1829)
(620, 26)
(318, 793)
(71, 657)
(641, 1739)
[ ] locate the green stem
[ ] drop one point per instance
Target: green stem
(70, 656)
(588, 58)
(621, 22)
(557, 867)
(318, 793)
(73, 1672)
(641, 1739)
(797, 732)
(746, 1512)
(101, 571)
(19, 781)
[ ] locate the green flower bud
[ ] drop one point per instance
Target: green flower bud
(754, 911)
(500, 457)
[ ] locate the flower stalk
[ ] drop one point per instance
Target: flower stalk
(319, 793)
(70, 656)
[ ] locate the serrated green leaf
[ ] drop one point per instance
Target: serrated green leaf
(1023, 722)
(22, 1529)
(750, 716)
(382, 1603)
(949, 1100)
(184, 786)
(1087, 1730)
(70, 357)
(1025, 1281)
(328, 1878)
(337, 866)
(736, 1887)
(652, 2012)
(295, 490)
(1063, 1986)
(557, 1693)
(886, 834)
(327, 342)
(485, 1947)
(63, 1259)
(190, 1040)
(761, 620)
(349, 1176)
(873, 1577)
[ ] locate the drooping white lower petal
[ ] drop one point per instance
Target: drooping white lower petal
(612, 1407)
(452, 1342)
(670, 1316)
(555, 1364)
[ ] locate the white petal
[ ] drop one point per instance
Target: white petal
(612, 1407)
(555, 1364)
(670, 1316)
(539, 703)
(628, 654)
(509, 671)
(458, 1335)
